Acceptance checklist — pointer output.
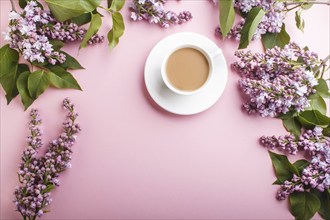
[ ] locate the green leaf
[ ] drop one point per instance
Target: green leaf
(293, 126)
(22, 68)
(13, 82)
(317, 103)
(9, 85)
(41, 65)
(288, 115)
(64, 9)
(226, 16)
(301, 60)
(92, 30)
(82, 19)
(22, 86)
(70, 62)
(301, 165)
(8, 60)
(57, 44)
(22, 3)
(322, 88)
(326, 131)
(300, 23)
(277, 182)
(117, 30)
(325, 205)
(284, 170)
(271, 40)
(305, 48)
(304, 205)
(250, 26)
(49, 188)
(8, 71)
(109, 3)
(38, 82)
(311, 118)
(117, 5)
(62, 79)
(306, 6)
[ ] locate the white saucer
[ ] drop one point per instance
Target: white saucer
(184, 104)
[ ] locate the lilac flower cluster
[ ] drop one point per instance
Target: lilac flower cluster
(285, 143)
(317, 174)
(153, 11)
(271, 22)
(23, 35)
(278, 80)
(67, 32)
(31, 30)
(311, 141)
(38, 176)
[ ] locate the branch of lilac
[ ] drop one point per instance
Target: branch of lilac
(12, 5)
(308, 2)
(38, 176)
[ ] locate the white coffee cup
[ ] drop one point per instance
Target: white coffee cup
(209, 56)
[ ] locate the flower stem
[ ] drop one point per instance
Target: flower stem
(107, 9)
(31, 66)
(322, 73)
(12, 5)
(307, 2)
(290, 9)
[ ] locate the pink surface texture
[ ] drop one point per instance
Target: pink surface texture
(134, 160)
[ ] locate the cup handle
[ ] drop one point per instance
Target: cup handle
(216, 53)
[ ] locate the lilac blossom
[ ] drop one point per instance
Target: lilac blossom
(317, 174)
(285, 143)
(67, 32)
(311, 141)
(31, 30)
(39, 175)
(153, 11)
(275, 82)
(271, 22)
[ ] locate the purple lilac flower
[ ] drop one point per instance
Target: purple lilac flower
(39, 175)
(31, 30)
(67, 32)
(153, 11)
(311, 141)
(288, 187)
(23, 36)
(314, 142)
(317, 174)
(283, 143)
(271, 22)
(275, 82)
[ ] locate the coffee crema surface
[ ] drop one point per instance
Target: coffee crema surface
(187, 69)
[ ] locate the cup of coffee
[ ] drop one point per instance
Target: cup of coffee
(187, 69)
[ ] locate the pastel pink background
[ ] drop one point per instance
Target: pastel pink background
(135, 161)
